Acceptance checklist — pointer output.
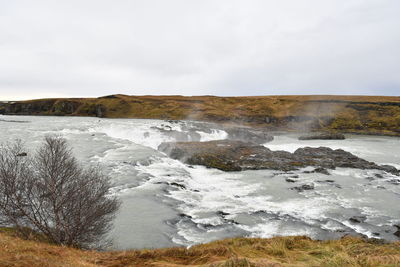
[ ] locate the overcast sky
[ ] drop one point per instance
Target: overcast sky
(77, 48)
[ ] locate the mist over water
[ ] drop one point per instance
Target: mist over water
(168, 203)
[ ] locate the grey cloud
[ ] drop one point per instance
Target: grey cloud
(255, 47)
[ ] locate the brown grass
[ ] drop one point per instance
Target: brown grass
(278, 251)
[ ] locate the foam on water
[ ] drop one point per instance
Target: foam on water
(209, 192)
(150, 132)
(140, 133)
(214, 135)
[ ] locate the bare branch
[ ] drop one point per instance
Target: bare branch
(50, 193)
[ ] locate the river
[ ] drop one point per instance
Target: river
(168, 203)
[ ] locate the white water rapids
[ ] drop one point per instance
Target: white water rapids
(168, 203)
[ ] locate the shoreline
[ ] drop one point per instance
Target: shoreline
(367, 115)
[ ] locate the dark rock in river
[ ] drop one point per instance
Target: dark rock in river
(230, 155)
(222, 214)
(323, 136)
(247, 134)
(388, 168)
(322, 170)
(397, 233)
(181, 186)
(357, 219)
(303, 187)
(23, 154)
(394, 181)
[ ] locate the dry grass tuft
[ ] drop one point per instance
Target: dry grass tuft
(250, 252)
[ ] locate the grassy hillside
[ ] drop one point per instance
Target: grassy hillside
(355, 114)
(274, 252)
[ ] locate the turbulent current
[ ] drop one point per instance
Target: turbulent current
(167, 203)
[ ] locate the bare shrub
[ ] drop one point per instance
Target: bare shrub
(50, 193)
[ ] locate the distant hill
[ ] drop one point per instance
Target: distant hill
(349, 114)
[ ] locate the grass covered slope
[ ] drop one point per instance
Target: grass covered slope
(278, 251)
(353, 114)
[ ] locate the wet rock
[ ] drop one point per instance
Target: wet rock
(15, 121)
(328, 158)
(223, 214)
(397, 233)
(183, 215)
(290, 180)
(225, 155)
(322, 170)
(323, 136)
(181, 186)
(258, 212)
(387, 168)
(23, 154)
(228, 155)
(162, 183)
(247, 134)
(394, 182)
(331, 182)
(303, 187)
(173, 121)
(358, 219)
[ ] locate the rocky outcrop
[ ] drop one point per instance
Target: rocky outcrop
(230, 155)
(358, 219)
(53, 107)
(323, 136)
(41, 107)
(29, 108)
(247, 134)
